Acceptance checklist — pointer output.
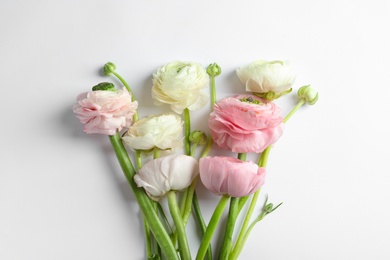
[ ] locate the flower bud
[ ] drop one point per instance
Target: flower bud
(268, 208)
(309, 94)
(198, 137)
(109, 68)
(213, 70)
(105, 86)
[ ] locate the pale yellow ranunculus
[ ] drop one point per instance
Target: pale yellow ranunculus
(181, 85)
(266, 76)
(160, 131)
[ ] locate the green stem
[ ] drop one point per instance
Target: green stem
(193, 149)
(200, 221)
(240, 244)
(300, 103)
(211, 227)
(227, 241)
(263, 160)
(184, 249)
(135, 117)
(208, 147)
(143, 200)
(138, 160)
(156, 153)
(124, 84)
(242, 202)
(242, 156)
(188, 202)
(213, 93)
(238, 247)
(187, 131)
(148, 238)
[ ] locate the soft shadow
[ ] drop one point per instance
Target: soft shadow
(71, 127)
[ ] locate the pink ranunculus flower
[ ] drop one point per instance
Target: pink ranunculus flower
(245, 123)
(105, 112)
(230, 176)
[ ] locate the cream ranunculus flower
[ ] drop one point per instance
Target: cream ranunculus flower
(181, 85)
(267, 76)
(174, 172)
(161, 131)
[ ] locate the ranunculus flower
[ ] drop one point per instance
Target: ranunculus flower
(161, 131)
(174, 172)
(105, 112)
(181, 85)
(245, 123)
(264, 76)
(231, 176)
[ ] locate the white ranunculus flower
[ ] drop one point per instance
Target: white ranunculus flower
(181, 85)
(265, 76)
(174, 172)
(161, 131)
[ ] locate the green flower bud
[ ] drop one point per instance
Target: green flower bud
(309, 94)
(105, 86)
(197, 137)
(268, 208)
(213, 70)
(109, 68)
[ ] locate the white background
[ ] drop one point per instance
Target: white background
(62, 194)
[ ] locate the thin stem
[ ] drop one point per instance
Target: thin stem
(143, 200)
(199, 219)
(242, 202)
(124, 84)
(213, 93)
(135, 117)
(188, 202)
(148, 240)
(184, 249)
(138, 159)
(156, 246)
(207, 148)
(211, 227)
(264, 157)
(227, 241)
(300, 103)
(193, 149)
(156, 153)
(187, 131)
(242, 156)
(262, 163)
(240, 244)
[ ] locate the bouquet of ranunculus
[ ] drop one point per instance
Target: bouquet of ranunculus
(161, 159)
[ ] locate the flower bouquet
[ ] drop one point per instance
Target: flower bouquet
(158, 153)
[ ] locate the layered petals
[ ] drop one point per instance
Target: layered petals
(105, 112)
(181, 85)
(264, 76)
(245, 123)
(173, 172)
(231, 176)
(162, 131)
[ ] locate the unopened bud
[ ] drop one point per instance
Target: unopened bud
(309, 94)
(109, 68)
(197, 137)
(213, 70)
(268, 208)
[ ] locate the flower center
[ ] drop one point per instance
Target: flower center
(250, 100)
